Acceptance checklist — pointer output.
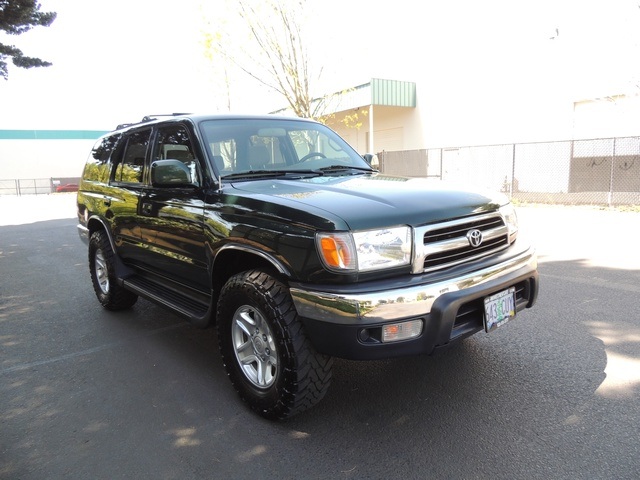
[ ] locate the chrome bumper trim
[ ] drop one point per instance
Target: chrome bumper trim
(383, 306)
(83, 232)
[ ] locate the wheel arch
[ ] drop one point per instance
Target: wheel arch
(96, 223)
(234, 258)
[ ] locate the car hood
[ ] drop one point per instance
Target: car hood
(372, 200)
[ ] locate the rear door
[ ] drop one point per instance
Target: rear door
(127, 185)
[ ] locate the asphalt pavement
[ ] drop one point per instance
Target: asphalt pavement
(91, 394)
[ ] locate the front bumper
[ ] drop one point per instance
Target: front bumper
(345, 321)
(83, 232)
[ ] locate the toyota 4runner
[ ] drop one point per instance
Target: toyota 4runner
(275, 230)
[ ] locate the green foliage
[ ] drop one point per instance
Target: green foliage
(16, 18)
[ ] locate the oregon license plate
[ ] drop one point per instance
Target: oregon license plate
(499, 309)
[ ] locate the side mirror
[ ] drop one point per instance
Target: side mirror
(170, 173)
(371, 159)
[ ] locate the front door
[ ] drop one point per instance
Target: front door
(172, 217)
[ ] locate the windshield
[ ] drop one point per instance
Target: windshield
(254, 146)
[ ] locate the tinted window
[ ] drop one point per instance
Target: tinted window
(98, 164)
(130, 168)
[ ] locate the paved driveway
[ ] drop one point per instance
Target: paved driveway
(86, 393)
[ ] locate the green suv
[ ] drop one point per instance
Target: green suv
(276, 231)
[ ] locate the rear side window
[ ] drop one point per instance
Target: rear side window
(99, 162)
(131, 157)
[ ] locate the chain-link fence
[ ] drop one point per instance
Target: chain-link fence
(38, 186)
(602, 171)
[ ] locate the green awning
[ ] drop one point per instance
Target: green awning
(393, 93)
(389, 93)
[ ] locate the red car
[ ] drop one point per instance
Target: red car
(69, 187)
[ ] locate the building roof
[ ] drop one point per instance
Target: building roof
(392, 93)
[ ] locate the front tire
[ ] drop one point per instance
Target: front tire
(103, 274)
(266, 353)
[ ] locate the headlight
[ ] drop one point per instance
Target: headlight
(365, 250)
(508, 213)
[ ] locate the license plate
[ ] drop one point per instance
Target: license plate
(499, 309)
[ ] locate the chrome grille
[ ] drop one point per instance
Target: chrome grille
(445, 244)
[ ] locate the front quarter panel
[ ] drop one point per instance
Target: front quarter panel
(284, 235)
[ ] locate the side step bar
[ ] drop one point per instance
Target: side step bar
(196, 310)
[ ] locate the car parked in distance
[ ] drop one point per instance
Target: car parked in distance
(68, 187)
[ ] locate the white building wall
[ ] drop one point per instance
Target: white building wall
(395, 128)
(26, 159)
(438, 121)
(607, 117)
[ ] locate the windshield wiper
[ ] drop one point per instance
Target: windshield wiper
(339, 168)
(293, 174)
(270, 174)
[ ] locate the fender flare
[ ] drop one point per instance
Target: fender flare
(122, 271)
(280, 268)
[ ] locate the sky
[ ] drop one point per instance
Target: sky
(116, 61)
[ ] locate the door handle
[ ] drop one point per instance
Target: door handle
(146, 208)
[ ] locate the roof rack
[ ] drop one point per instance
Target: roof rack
(149, 118)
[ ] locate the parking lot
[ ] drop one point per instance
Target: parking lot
(87, 393)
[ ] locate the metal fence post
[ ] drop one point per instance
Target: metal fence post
(613, 160)
(513, 171)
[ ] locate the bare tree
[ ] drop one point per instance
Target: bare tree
(276, 56)
(212, 53)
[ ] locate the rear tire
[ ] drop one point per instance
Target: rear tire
(105, 283)
(266, 353)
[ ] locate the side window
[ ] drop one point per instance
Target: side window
(173, 142)
(130, 168)
(99, 161)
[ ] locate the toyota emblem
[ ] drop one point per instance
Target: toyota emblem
(475, 237)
